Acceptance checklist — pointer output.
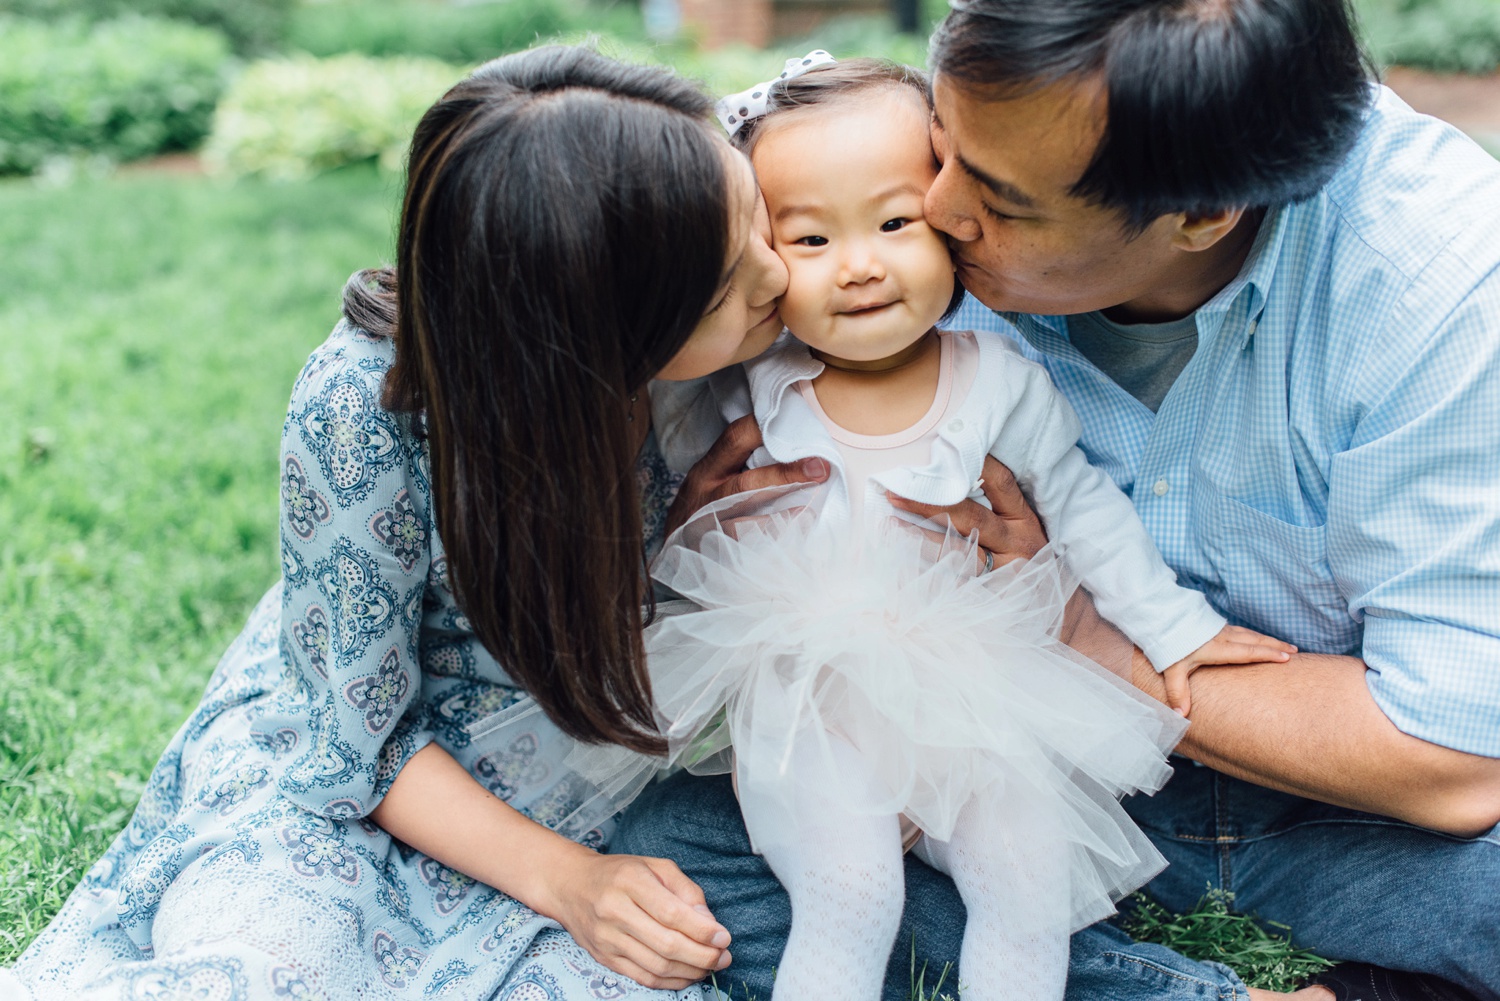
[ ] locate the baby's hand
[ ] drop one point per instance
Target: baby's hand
(1233, 645)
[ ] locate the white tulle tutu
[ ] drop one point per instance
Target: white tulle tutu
(949, 684)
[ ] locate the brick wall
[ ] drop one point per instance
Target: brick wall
(761, 22)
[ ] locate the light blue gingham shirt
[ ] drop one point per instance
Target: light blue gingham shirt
(1327, 466)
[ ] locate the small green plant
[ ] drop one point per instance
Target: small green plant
(1261, 952)
(295, 117)
(116, 89)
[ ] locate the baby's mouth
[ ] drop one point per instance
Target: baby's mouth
(864, 308)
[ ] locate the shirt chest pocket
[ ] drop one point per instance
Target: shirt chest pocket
(1272, 575)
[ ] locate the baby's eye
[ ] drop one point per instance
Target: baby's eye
(891, 225)
(813, 241)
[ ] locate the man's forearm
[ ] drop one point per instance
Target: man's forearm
(1310, 727)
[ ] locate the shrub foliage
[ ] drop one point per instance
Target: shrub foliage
(1453, 36)
(293, 117)
(467, 33)
(119, 89)
(250, 25)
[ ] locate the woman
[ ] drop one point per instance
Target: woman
(464, 466)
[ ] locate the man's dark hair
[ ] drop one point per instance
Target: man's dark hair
(1213, 104)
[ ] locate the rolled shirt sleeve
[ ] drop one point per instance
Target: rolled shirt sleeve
(1414, 512)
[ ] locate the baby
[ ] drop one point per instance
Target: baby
(861, 674)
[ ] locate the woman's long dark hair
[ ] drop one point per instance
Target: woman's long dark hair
(565, 227)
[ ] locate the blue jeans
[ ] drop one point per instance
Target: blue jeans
(1351, 886)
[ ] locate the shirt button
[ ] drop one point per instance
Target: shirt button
(1253, 325)
(1160, 488)
(956, 425)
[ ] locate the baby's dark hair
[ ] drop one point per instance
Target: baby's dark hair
(833, 82)
(827, 84)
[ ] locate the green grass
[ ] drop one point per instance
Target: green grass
(150, 329)
(1260, 952)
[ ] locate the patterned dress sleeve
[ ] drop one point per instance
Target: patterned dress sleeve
(355, 544)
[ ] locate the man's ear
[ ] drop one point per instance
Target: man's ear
(1197, 231)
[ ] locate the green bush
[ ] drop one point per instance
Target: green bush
(292, 117)
(1460, 36)
(469, 33)
(250, 25)
(117, 89)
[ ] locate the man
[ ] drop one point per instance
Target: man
(1272, 293)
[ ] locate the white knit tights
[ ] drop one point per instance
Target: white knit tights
(844, 875)
(1011, 870)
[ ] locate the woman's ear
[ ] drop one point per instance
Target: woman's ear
(1197, 231)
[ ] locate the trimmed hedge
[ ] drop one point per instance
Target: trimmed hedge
(293, 117)
(251, 26)
(119, 89)
(466, 33)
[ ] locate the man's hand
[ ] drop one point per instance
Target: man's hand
(722, 473)
(642, 918)
(1011, 529)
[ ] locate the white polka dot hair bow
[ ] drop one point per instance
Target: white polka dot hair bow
(737, 109)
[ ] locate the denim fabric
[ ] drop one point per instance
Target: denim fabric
(1350, 885)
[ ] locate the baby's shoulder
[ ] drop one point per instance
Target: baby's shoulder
(1001, 372)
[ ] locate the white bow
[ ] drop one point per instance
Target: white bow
(737, 109)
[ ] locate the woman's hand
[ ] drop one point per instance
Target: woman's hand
(722, 473)
(1011, 530)
(641, 917)
(1233, 645)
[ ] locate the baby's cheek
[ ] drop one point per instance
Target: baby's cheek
(804, 295)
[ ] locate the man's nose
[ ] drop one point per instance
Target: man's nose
(946, 208)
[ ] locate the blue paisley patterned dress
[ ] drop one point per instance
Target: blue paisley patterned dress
(248, 871)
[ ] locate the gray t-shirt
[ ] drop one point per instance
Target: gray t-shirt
(1143, 358)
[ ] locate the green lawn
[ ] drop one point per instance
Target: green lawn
(150, 329)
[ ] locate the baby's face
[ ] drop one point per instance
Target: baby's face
(845, 186)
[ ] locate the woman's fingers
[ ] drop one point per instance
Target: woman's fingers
(645, 945)
(645, 977)
(674, 922)
(678, 903)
